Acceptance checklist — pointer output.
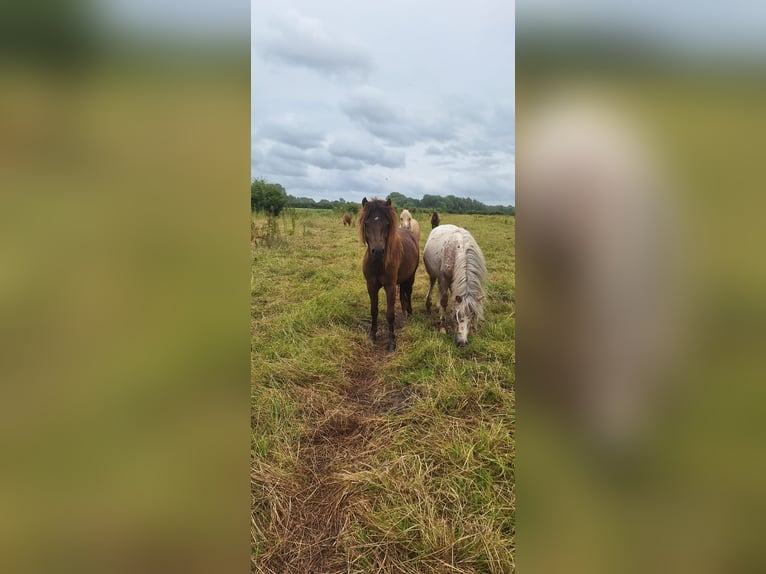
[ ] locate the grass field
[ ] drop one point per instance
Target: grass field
(369, 461)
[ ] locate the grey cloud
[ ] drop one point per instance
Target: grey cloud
(318, 157)
(272, 165)
(440, 130)
(436, 121)
(501, 127)
(343, 153)
(371, 109)
(291, 130)
(325, 160)
(303, 42)
(367, 151)
(467, 109)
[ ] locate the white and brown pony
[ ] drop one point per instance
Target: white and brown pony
(407, 221)
(453, 258)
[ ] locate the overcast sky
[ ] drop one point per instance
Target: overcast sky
(354, 99)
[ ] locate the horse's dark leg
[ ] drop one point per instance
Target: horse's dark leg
(443, 302)
(390, 310)
(405, 295)
(428, 296)
(372, 290)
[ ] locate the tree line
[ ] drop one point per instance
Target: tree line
(272, 198)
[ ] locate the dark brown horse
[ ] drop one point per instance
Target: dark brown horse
(347, 220)
(391, 259)
(434, 220)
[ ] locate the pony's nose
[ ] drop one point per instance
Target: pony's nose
(460, 342)
(378, 252)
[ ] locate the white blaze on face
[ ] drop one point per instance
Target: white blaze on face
(462, 321)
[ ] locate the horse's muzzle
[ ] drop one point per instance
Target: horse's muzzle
(378, 253)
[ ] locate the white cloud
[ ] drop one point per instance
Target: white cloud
(289, 129)
(409, 108)
(296, 40)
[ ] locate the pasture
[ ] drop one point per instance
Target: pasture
(369, 461)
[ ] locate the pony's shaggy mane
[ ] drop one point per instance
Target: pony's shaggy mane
(469, 277)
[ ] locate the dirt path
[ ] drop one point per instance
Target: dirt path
(308, 532)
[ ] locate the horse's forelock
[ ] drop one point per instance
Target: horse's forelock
(378, 205)
(361, 221)
(472, 306)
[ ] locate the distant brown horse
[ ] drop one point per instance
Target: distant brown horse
(391, 259)
(434, 220)
(347, 220)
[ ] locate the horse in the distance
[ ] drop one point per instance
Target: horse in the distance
(434, 220)
(453, 258)
(412, 224)
(391, 259)
(347, 220)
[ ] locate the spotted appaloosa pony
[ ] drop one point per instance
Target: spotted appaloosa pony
(434, 220)
(347, 220)
(412, 224)
(391, 259)
(453, 257)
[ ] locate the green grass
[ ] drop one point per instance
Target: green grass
(426, 482)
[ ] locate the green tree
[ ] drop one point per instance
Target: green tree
(267, 197)
(399, 200)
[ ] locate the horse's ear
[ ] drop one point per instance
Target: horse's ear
(458, 299)
(364, 201)
(388, 201)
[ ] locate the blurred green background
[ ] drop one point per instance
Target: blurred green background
(688, 496)
(124, 287)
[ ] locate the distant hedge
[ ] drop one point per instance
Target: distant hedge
(267, 197)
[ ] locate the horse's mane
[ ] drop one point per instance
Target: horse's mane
(469, 275)
(393, 243)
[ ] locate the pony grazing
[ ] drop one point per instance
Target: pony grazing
(412, 224)
(391, 259)
(434, 220)
(453, 257)
(347, 220)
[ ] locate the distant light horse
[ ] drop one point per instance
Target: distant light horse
(347, 220)
(412, 224)
(453, 257)
(391, 259)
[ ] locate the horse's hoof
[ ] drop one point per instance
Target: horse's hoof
(442, 330)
